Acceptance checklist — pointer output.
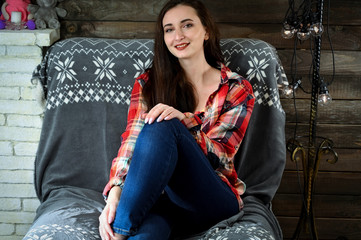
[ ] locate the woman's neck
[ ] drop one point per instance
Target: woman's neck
(196, 71)
(204, 78)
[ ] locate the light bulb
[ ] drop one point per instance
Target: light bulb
(287, 34)
(303, 35)
(324, 97)
(287, 31)
(287, 91)
(316, 29)
(290, 90)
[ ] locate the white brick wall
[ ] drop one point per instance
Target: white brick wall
(20, 127)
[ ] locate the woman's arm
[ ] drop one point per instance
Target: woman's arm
(135, 123)
(108, 214)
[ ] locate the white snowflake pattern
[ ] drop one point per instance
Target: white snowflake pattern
(60, 231)
(257, 69)
(104, 68)
(140, 66)
(65, 70)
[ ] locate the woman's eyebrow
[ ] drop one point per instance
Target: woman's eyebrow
(184, 20)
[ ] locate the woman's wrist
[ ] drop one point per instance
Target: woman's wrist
(114, 194)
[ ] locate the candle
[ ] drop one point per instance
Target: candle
(16, 17)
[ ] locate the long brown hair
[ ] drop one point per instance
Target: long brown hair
(167, 82)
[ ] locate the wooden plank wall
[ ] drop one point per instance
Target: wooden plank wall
(337, 195)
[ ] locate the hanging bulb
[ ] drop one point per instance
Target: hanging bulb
(287, 31)
(287, 91)
(290, 90)
(287, 34)
(316, 29)
(324, 97)
(303, 35)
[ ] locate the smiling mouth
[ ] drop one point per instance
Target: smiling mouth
(182, 46)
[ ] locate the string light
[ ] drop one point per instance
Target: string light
(287, 31)
(290, 90)
(301, 21)
(316, 29)
(304, 22)
(303, 35)
(287, 91)
(324, 97)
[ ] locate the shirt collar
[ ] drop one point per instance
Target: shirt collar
(225, 71)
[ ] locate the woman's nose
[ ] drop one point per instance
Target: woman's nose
(179, 35)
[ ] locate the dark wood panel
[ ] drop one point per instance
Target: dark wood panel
(257, 11)
(337, 112)
(115, 10)
(342, 87)
(327, 228)
(142, 10)
(345, 12)
(267, 32)
(342, 37)
(289, 205)
(349, 160)
(335, 183)
(346, 62)
(118, 30)
(349, 36)
(343, 136)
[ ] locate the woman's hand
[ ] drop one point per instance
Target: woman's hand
(162, 112)
(108, 214)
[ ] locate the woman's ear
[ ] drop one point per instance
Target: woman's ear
(206, 36)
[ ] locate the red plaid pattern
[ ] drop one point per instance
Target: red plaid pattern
(218, 130)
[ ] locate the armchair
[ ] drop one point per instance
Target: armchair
(87, 84)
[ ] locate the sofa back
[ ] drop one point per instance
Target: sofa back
(87, 84)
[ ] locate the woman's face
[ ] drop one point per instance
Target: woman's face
(184, 33)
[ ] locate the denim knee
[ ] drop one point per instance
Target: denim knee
(160, 132)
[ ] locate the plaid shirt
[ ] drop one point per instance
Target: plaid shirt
(218, 130)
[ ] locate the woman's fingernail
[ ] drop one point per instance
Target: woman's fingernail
(150, 120)
(146, 120)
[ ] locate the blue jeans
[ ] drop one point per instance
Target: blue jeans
(170, 183)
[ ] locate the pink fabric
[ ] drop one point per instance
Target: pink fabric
(17, 6)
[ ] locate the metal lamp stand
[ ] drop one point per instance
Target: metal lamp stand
(317, 147)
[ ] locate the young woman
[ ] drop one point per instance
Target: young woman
(187, 118)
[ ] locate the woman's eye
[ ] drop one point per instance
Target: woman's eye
(188, 25)
(168, 30)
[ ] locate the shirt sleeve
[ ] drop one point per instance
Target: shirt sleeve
(135, 123)
(221, 135)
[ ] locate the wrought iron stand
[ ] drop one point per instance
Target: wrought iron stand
(317, 147)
